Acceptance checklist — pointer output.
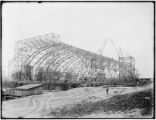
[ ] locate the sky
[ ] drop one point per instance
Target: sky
(86, 26)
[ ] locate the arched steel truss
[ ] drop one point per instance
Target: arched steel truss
(46, 51)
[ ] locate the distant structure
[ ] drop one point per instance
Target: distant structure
(49, 53)
(26, 90)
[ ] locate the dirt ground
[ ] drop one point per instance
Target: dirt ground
(51, 104)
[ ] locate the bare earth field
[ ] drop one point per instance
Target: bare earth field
(85, 102)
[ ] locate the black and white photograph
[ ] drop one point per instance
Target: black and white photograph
(79, 59)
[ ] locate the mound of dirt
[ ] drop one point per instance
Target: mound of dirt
(119, 103)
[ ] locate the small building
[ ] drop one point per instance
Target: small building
(84, 79)
(144, 81)
(26, 90)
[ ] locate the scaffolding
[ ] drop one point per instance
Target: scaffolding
(49, 53)
(128, 70)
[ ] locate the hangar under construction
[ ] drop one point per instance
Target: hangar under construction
(45, 58)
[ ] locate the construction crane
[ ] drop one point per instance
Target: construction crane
(103, 46)
(115, 48)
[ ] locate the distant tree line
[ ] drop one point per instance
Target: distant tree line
(49, 75)
(41, 75)
(25, 74)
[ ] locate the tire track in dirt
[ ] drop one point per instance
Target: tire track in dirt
(36, 105)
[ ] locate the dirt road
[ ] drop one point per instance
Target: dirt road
(38, 106)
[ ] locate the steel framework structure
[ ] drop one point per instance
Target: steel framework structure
(48, 52)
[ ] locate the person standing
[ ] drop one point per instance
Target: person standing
(107, 90)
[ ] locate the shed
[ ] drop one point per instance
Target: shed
(26, 90)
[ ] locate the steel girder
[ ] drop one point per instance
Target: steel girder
(45, 51)
(60, 57)
(51, 53)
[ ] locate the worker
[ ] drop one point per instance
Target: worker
(107, 90)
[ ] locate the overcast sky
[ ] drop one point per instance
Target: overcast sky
(84, 25)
